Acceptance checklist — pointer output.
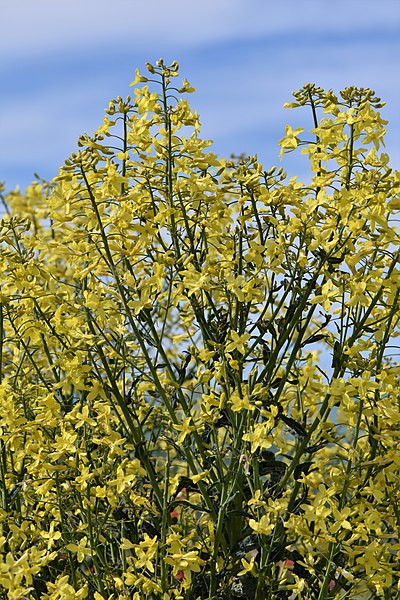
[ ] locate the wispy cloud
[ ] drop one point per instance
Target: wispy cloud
(65, 59)
(46, 25)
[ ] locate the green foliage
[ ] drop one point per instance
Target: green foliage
(199, 386)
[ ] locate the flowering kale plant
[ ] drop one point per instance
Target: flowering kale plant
(199, 390)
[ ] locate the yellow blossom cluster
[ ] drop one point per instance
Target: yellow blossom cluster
(199, 378)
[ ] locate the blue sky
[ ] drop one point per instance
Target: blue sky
(63, 60)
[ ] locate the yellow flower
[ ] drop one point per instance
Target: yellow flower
(145, 551)
(238, 342)
(290, 141)
(81, 549)
(248, 567)
(188, 562)
(263, 526)
(138, 78)
(259, 436)
(123, 480)
(185, 428)
(240, 402)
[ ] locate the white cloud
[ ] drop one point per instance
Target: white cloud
(40, 26)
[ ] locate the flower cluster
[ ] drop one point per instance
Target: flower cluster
(199, 391)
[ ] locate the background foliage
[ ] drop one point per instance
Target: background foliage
(199, 386)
